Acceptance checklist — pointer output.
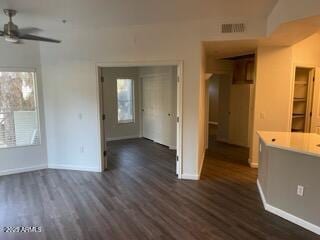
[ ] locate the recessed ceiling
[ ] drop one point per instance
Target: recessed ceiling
(106, 13)
(226, 49)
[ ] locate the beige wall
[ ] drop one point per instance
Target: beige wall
(307, 52)
(274, 85)
(272, 93)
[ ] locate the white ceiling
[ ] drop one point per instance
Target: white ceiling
(106, 13)
(286, 34)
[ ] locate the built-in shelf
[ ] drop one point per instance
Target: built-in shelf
(299, 100)
(298, 116)
(301, 83)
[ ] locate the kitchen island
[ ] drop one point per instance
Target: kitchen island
(289, 176)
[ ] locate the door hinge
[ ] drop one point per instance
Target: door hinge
(310, 114)
(102, 79)
(104, 153)
(177, 158)
(103, 117)
(178, 119)
(178, 78)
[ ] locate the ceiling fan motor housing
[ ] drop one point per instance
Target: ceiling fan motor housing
(10, 29)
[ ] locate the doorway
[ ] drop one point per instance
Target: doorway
(302, 118)
(230, 108)
(141, 102)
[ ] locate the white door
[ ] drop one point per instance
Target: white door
(159, 108)
(148, 108)
(315, 119)
(239, 114)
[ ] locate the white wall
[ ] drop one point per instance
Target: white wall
(19, 159)
(291, 10)
(70, 81)
(114, 130)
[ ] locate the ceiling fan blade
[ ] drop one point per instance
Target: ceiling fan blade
(37, 38)
(28, 30)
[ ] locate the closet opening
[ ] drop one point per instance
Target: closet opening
(302, 102)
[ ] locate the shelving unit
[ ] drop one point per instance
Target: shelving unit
(302, 99)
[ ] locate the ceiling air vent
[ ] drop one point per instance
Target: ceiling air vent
(233, 28)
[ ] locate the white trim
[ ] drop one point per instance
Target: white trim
(122, 138)
(261, 194)
(253, 164)
(186, 176)
(22, 170)
(73, 167)
(291, 218)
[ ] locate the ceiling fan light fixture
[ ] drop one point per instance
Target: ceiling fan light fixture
(13, 34)
(11, 39)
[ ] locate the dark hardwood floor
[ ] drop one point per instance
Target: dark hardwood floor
(139, 197)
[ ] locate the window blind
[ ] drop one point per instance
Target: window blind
(19, 125)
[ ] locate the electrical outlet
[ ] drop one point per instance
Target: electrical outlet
(260, 148)
(300, 190)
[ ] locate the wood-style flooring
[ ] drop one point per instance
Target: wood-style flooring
(139, 197)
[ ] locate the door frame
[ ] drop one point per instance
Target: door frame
(291, 91)
(100, 121)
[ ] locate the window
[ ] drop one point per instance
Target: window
(19, 125)
(125, 100)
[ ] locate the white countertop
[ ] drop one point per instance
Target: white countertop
(305, 143)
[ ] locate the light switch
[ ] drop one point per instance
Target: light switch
(300, 190)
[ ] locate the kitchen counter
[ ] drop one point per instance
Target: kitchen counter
(306, 143)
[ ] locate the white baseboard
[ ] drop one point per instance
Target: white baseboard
(288, 216)
(22, 170)
(73, 167)
(261, 194)
(186, 176)
(253, 164)
(122, 138)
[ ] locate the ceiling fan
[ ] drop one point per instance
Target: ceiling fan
(13, 34)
